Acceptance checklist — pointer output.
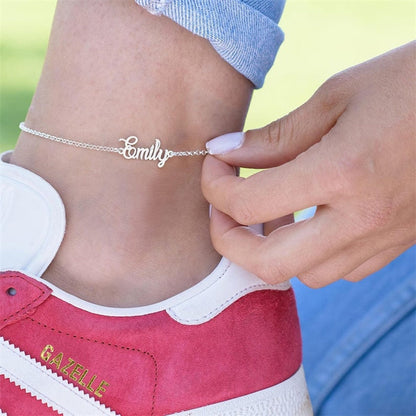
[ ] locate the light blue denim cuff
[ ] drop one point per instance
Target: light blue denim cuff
(244, 32)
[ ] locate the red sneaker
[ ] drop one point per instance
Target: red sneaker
(228, 346)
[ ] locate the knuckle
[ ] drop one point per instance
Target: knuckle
(272, 272)
(347, 174)
(354, 179)
(354, 278)
(280, 130)
(332, 91)
(334, 83)
(376, 215)
(241, 208)
(265, 274)
(311, 280)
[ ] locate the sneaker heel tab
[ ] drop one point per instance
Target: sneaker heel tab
(20, 295)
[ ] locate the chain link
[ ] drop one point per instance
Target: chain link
(191, 153)
(70, 142)
(99, 148)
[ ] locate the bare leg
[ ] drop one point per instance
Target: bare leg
(136, 234)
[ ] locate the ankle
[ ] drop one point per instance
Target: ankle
(146, 281)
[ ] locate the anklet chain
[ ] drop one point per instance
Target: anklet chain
(129, 151)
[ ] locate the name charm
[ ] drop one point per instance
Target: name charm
(154, 152)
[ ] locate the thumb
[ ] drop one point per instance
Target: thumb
(283, 139)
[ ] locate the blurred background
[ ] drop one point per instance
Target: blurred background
(322, 37)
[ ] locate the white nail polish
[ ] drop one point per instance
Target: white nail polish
(225, 143)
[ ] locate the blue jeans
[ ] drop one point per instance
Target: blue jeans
(360, 342)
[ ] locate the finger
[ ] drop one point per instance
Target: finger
(343, 263)
(287, 251)
(375, 263)
(308, 180)
(285, 138)
(226, 232)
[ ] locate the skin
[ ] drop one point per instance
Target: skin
(136, 234)
(351, 151)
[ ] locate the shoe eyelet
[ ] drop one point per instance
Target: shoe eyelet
(11, 291)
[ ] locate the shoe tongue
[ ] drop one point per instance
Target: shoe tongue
(19, 296)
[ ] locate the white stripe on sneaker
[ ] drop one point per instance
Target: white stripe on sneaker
(289, 398)
(46, 386)
(231, 285)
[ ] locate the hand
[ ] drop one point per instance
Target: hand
(351, 151)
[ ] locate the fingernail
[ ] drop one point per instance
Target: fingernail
(225, 143)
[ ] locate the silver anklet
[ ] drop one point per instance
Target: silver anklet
(129, 151)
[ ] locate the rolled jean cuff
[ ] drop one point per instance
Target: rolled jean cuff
(244, 33)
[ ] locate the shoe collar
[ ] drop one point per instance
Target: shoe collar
(32, 218)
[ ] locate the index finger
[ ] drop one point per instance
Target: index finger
(269, 194)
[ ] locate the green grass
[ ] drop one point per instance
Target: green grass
(25, 26)
(322, 38)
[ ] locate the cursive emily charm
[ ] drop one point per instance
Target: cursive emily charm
(129, 151)
(154, 152)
